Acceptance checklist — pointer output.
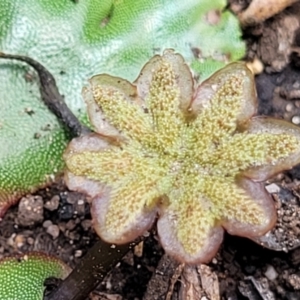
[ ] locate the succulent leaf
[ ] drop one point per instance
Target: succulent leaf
(194, 165)
(22, 277)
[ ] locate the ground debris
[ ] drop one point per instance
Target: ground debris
(30, 211)
(260, 10)
(199, 283)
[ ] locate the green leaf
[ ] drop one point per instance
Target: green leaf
(75, 41)
(22, 277)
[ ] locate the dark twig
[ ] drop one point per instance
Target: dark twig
(51, 95)
(91, 270)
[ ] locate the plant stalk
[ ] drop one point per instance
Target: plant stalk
(91, 270)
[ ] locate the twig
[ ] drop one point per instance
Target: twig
(51, 96)
(91, 270)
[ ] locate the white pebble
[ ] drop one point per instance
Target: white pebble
(53, 230)
(271, 273)
(296, 120)
(273, 188)
(289, 107)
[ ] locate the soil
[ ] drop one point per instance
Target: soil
(57, 221)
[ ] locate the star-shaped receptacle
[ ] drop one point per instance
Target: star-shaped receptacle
(194, 157)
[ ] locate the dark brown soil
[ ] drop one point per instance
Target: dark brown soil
(58, 222)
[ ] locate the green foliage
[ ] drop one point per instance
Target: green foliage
(75, 40)
(22, 277)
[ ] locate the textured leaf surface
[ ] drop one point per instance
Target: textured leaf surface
(75, 41)
(22, 277)
(193, 157)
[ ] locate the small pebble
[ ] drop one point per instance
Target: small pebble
(20, 240)
(30, 210)
(79, 207)
(146, 233)
(62, 226)
(289, 107)
(74, 236)
(138, 249)
(271, 273)
(30, 240)
(78, 253)
(256, 66)
(296, 120)
(66, 212)
(296, 85)
(53, 230)
(80, 202)
(294, 281)
(71, 224)
(71, 199)
(273, 188)
(53, 203)
(86, 224)
(47, 223)
(11, 240)
(214, 261)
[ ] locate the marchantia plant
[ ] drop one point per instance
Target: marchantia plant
(193, 156)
